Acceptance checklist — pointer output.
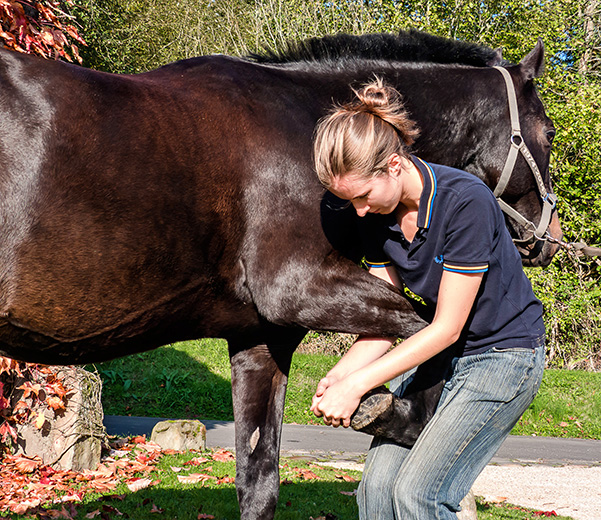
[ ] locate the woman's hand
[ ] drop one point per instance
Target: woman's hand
(322, 386)
(336, 402)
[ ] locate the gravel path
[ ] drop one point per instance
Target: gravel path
(568, 490)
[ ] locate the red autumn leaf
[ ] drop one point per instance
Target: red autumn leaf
(27, 464)
(226, 480)
(72, 31)
(197, 461)
(223, 456)
(102, 485)
(56, 403)
(21, 507)
(30, 388)
(306, 474)
(345, 477)
(156, 509)
(7, 430)
(202, 516)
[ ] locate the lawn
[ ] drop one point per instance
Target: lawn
(139, 481)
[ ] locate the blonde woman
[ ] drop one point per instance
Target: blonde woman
(440, 232)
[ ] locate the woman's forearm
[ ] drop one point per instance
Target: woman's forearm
(363, 352)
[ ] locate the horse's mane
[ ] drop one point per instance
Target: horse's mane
(412, 46)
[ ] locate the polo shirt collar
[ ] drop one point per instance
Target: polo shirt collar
(426, 201)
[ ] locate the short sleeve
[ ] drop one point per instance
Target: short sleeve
(471, 231)
(372, 235)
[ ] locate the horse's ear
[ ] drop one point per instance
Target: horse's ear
(533, 63)
(496, 60)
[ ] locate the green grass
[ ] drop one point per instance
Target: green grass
(568, 404)
(326, 496)
(192, 380)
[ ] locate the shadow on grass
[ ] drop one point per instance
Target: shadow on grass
(185, 380)
(298, 501)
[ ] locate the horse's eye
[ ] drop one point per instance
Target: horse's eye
(550, 135)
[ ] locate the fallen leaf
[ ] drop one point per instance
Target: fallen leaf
(345, 477)
(223, 456)
(55, 402)
(137, 484)
(193, 478)
(27, 464)
(197, 461)
(93, 514)
(111, 509)
(156, 509)
(306, 474)
(202, 516)
(40, 420)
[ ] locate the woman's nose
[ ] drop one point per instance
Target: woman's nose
(361, 208)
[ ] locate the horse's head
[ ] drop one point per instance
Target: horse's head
(520, 179)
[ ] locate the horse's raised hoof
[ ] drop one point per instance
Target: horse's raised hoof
(375, 412)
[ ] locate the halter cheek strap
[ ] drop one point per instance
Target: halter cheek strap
(519, 146)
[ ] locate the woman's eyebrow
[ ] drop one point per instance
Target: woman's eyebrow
(361, 196)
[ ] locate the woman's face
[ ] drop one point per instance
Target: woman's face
(379, 194)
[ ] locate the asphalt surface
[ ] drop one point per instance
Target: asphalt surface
(547, 474)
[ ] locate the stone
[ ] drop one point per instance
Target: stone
(70, 439)
(468, 508)
(180, 435)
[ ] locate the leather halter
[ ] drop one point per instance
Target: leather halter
(519, 146)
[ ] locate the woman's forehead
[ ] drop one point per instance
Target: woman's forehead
(350, 186)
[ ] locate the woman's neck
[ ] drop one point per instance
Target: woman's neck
(413, 185)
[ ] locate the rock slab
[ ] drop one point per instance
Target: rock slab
(180, 435)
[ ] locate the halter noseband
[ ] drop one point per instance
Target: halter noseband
(518, 145)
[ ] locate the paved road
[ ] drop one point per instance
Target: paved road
(341, 443)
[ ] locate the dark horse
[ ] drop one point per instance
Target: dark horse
(137, 211)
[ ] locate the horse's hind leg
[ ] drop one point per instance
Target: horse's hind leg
(259, 378)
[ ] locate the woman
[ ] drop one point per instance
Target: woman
(440, 232)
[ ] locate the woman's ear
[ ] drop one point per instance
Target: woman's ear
(395, 165)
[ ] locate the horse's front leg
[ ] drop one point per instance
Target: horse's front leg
(259, 378)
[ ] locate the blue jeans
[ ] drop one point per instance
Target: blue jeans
(481, 402)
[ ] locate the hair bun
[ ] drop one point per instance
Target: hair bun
(383, 101)
(376, 95)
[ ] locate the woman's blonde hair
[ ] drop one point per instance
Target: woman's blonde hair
(359, 137)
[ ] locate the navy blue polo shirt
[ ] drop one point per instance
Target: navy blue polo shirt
(461, 229)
